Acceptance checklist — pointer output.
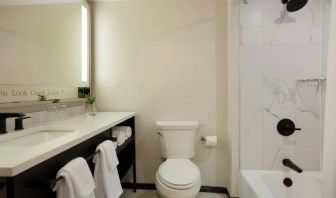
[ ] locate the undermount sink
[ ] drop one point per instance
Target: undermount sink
(35, 138)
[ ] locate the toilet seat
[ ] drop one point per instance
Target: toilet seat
(179, 174)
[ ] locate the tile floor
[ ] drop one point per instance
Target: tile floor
(153, 194)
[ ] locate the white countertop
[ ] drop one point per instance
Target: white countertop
(14, 160)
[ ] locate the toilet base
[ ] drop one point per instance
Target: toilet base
(166, 192)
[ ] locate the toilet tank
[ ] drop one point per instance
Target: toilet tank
(177, 138)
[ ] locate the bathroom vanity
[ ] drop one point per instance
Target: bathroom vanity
(29, 164)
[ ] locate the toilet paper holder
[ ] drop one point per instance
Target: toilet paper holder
(209, 141)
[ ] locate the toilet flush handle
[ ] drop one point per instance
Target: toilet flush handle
(160, 134)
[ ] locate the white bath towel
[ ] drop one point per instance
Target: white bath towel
(77, 180)
(127, 130)
(122, 133)
(106, 174)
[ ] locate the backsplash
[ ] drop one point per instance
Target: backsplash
(44, 116)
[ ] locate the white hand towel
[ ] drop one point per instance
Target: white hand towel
(77, 180)
(106, 173)
(120, 135)
(127, 130)
(115, 144)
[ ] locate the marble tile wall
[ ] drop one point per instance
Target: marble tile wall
(277, 49)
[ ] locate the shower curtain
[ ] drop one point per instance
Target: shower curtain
(329, 140)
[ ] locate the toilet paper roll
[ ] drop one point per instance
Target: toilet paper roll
(210, 141)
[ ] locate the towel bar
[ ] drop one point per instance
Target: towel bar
(54, 182)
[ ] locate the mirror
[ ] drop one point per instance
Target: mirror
(44, 49)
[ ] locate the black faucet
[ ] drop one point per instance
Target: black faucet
(288, 163)
(18, 121)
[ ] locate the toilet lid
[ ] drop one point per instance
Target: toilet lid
(179, 172)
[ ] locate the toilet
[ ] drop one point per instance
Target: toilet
(177, 176)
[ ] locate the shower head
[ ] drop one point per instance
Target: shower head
(294, 5)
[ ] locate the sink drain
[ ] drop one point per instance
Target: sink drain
(288, 182)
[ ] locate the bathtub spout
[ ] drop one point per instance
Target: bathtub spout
(288, 163)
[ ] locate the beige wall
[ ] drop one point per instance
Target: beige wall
(41, 45)
(166, 60)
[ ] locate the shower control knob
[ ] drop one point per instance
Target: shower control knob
(286, 127)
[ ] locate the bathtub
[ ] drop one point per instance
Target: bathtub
(269, 184)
